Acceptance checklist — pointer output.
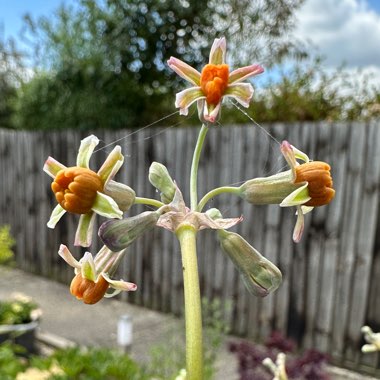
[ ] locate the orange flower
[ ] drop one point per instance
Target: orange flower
(92, 275)
(316, 189)
(214, 83)
(317, 175)
(80, 190)
(76, 188)
(89, 291)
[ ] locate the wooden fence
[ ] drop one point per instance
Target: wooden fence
(331, 280)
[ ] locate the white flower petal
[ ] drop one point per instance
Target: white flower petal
(242, 92)
(104, 205)
(212, 116)
(306, 209)
(218, 51)
(300, 155)
(52, 167)
(66, 255)
(83, 235)
(114, 293)
(243, 73)
(289, 155)
(88, 270)
(299, 227)
(86, 149)
(55, 216)
(111, 165)
(120, 285)
(185, 71)
(186, 98)
(298, 197)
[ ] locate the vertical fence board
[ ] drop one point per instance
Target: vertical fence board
(330, 280)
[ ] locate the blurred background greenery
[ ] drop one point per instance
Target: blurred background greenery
(102, 64)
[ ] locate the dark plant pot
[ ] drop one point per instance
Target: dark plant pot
(23, 334)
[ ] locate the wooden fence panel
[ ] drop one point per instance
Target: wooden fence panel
(330, 280)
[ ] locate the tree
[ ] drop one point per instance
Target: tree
(12, 72)
(103, 64)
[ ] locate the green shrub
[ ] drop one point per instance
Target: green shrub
(19, 309)
(10, 363)
(6, 244)
(91, 364)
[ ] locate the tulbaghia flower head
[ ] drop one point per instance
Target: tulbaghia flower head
(80, 190)
(213, 83)
(92, 276)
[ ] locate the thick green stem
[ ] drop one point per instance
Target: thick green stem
(186, 235)
(194, 167)
(213, 193)
(148, 202)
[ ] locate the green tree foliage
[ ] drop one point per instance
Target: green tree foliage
(11, 75)
(103, 63)
(309, 92)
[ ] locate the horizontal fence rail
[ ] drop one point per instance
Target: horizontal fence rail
(331, 279)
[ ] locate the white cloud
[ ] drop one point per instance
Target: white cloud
(342, 30)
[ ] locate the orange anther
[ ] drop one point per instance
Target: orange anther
(214, 81)
(75, 189)
(320, 183)
(89, 291)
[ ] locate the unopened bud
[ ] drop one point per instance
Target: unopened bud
(119, 234)
(260, 276)
(160, 178)
(214, 213)
(122, 194)
(268, 190)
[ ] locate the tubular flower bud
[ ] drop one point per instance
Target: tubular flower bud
(92, 276)
(80, 190)
(122, 194)
(76, 188)
(317, 175)
(160, 178)
(260, 276)
(213, 84)
(268, 190)
(119, 234)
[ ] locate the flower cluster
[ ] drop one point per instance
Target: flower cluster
(80, 190)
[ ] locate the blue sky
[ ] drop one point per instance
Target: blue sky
(11, 12)
(341, 30)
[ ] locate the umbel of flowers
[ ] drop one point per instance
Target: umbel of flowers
(82, 191)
